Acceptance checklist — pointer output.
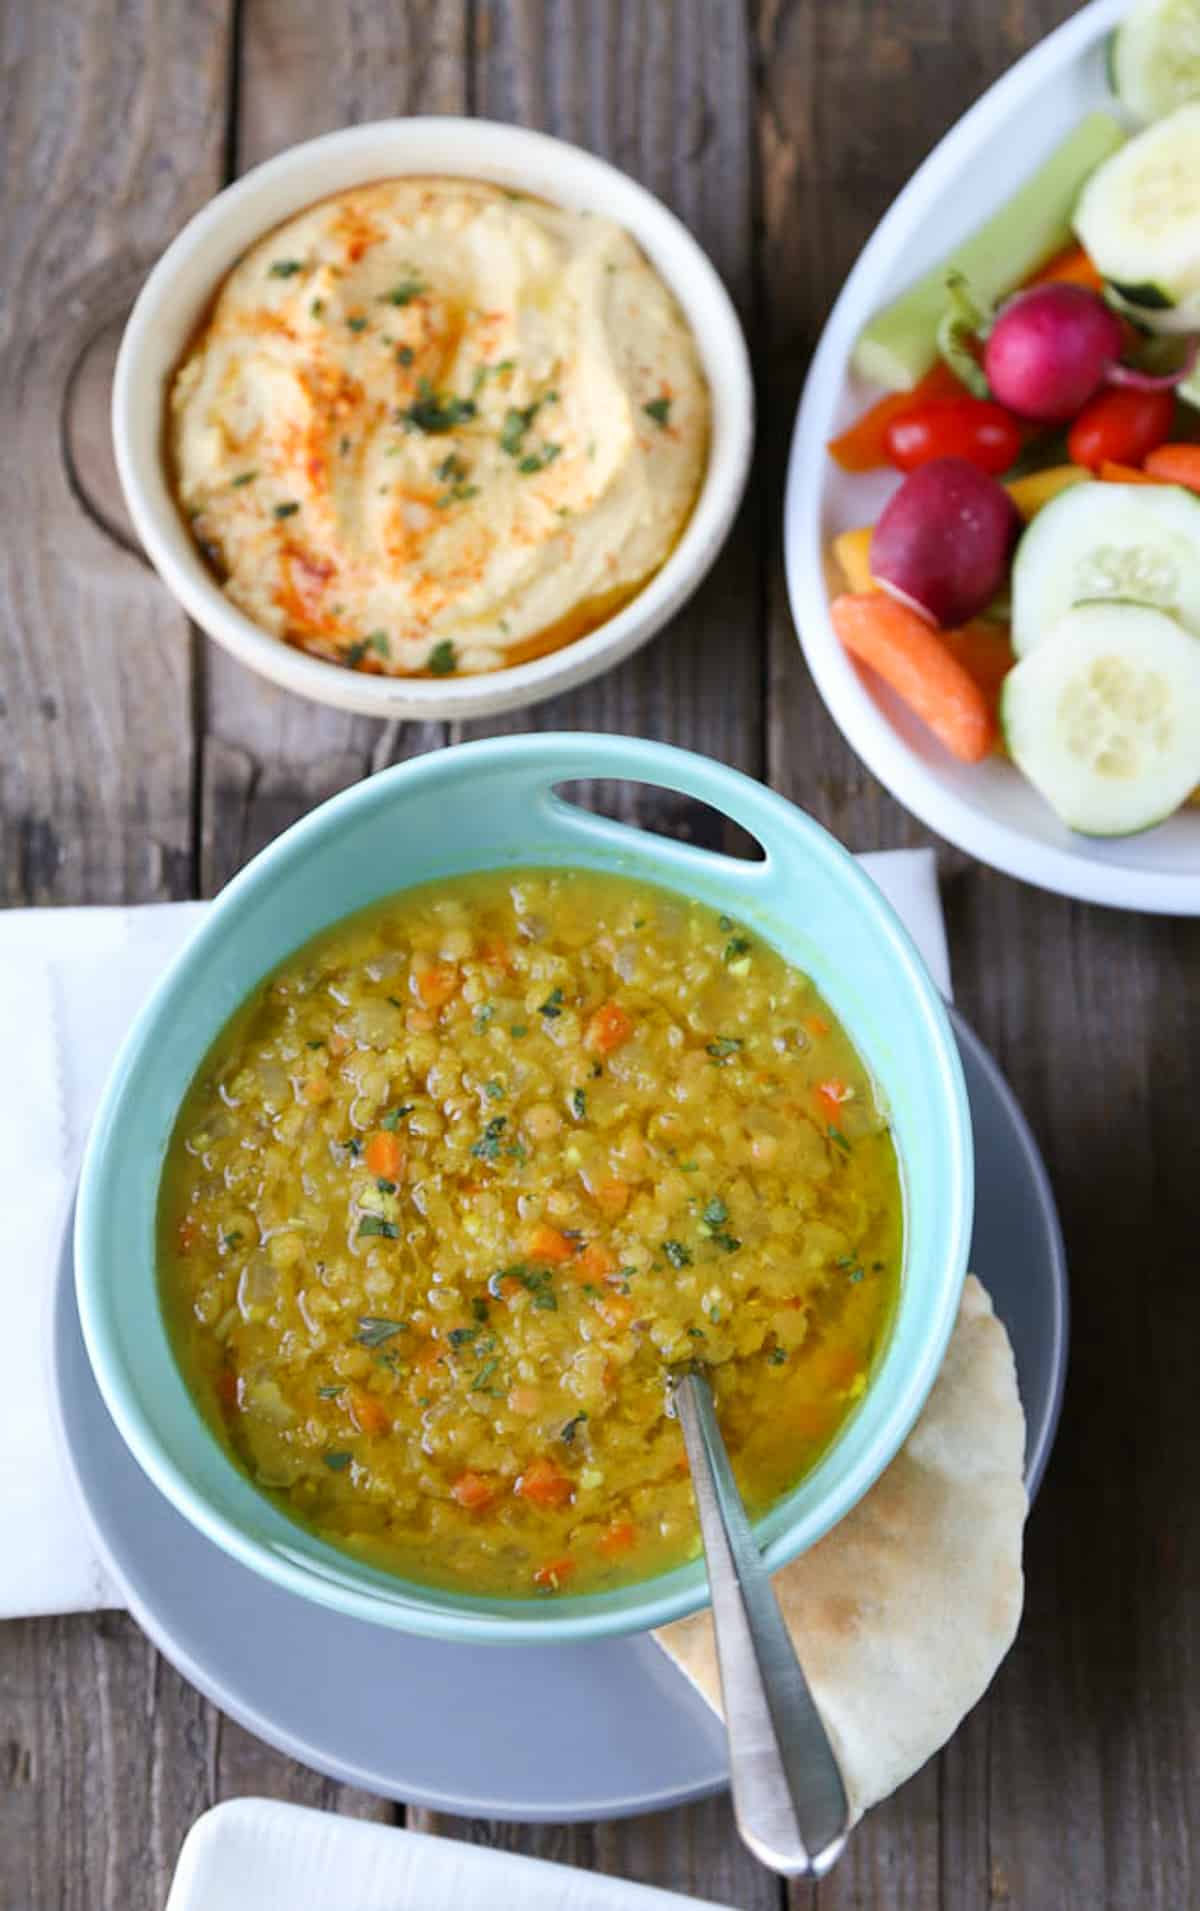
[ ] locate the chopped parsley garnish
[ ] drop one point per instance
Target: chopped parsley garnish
(375, 1224)
(378, 641)
(697, 1333)
(494, 1090)
(725, 924)
(578, 1103)
(404, 293)
(723, 1047)
(729, 1242)
(518, 1029)
(552, 1006)
(337, 1462)
(435, 412)
(715, 1212)
(487, 1148)
(329, 1393)
(244, 477)
(461, 1336)
(232, 1239)
(353, 1147)
(572, 1428)
(375, 1330)
(391, 1121)
(285, 268)
(689, 1167)
(538, 460)
(856, 1275)
(659, 409)
(287, 510)
(316, 308)
(777, 1357)
(839, 1139)
(677, 1254)
(317, 1044)
(479, 1384)
(483, 1016)
(736, 946)
(355, 653)
(404, 354)
(457, 494)
(516, 424)
(357, 324)
(384, 1185)
(451, 467)
(442, 661)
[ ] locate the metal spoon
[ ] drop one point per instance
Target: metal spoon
(788, 1796)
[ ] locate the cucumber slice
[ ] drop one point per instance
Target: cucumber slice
(1139, 215)
(1104, 719)
(900, 344)
(1120, 542)
(1154, 57)
(1149, 316)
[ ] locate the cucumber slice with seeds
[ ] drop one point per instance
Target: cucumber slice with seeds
(1116, 542)
(1154, 57)
(1104, 718)
(1138, 217)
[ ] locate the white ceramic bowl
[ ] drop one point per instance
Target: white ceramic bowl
(987, 808)
(184, 280)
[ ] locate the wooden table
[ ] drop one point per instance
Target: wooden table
(141, 763)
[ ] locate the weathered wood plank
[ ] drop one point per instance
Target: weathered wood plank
(113, 122)
(268, 756)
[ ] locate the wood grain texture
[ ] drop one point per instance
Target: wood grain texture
(113, 119)
(779, 130)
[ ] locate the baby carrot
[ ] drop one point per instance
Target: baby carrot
(1113, 473)
(919, 667)
(1174, 464)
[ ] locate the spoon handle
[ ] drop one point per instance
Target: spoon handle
(788, 1795)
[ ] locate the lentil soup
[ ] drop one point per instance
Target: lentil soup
(470, 1171)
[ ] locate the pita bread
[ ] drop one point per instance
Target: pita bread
(903, 1612)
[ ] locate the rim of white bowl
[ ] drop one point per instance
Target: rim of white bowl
(196, 261)
(866, 727)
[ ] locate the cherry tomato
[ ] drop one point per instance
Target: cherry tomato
(971, 428)
(1120, 427)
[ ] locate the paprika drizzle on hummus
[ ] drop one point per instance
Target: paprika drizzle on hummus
(430, 426)
(468, 1175)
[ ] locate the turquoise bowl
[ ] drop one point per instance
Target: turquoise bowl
(494, 805)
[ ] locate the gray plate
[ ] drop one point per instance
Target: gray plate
(534, 1733)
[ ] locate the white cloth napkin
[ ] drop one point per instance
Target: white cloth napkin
(71, 982)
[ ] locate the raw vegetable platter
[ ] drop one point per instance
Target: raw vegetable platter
(987, 807)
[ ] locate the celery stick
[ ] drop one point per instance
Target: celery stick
(900, 344)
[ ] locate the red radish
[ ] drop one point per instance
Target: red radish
(944, 539)
(1049, 350)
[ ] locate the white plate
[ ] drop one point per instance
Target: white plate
(255, 1854)
(987, 809)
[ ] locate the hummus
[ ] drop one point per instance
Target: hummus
(430, 426)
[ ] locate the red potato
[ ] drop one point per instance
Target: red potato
(943, 543)
(1050, 350)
